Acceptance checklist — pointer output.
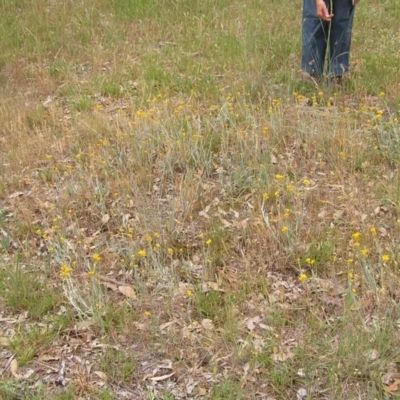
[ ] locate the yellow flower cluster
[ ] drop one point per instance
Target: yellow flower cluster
(303, 277)
(96, 257)
(142, 253)
(65, 271)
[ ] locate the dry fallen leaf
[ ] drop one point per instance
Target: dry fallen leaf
(390, 377)
(111, 286)
(15, 194)
(301, 394)
(14, 368)
(101, 375)
(105, 218)
(372, 355)
(161, 378)
(4, 341)
(394, 387)
(47, 357)
(207, 324)
(251, 323)
(202, 391)
(281, 357)
(127, 291)
(167, 324)
(139, 326)
(300, 373)
(190, 385)
(28, 374)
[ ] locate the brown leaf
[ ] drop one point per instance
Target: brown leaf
(47, 357)
(127, 291)
(14, 368)
(167, 324)
(101, 375)
(4, 341)
(225, 223)
(139, 326)
(394, 387)
(214, 286)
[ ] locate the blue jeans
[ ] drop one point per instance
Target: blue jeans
(320, 36)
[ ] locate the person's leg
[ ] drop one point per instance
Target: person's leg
(340, 37)
(314, 40)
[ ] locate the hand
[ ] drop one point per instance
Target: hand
(356, 1)
(322, 10)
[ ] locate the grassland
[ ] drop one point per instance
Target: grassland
(183, 217)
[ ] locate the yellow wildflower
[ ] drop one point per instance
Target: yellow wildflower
(96, 257)
(208, 242)
(289, 188)
(303, 277)
(142, 253)
(356, 236)
(65, 271)
(284, 229)
(364, 252)
(385, 258)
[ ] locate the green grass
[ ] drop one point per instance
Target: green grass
(23, 291)
(170, 146)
